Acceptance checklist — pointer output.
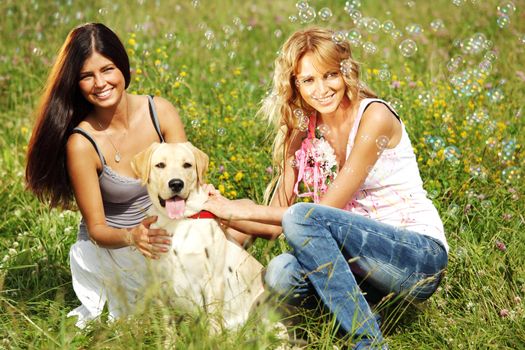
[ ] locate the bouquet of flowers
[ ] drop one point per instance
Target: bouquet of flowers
(317, 166)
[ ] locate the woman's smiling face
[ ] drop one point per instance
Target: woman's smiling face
(322, 87)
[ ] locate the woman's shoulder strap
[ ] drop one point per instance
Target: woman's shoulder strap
(154, 117)
(84, 133)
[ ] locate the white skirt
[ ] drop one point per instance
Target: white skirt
(100, 275)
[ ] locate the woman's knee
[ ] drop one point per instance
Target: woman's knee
(294, 221)
(281, 273)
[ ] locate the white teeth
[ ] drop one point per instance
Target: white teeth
(324, 99)
(103, 93)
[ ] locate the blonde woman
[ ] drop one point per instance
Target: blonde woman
(371, 230)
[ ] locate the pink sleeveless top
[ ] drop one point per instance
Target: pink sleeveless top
(393, 191)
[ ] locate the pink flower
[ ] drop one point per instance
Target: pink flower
(517, 299)
(221, 169)
(507, 216)
(504, 313)
(412, 84)
(396, 84)
(500, 246)
(269, 170)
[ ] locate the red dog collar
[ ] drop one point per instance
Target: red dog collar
(204, 214)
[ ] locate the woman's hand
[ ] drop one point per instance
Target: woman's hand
(150, 242)
(225, 208)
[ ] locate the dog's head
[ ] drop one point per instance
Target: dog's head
(173, 174)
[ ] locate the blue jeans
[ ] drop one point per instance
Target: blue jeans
(334, 250)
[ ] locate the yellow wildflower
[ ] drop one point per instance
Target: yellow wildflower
(238, 177)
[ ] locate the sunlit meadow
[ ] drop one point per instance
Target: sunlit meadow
(453, 69)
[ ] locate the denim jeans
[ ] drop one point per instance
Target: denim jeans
(338, 255)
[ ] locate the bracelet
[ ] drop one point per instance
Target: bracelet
(129, 240)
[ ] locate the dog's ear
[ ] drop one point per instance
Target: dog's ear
(141, 162)
(201, 162)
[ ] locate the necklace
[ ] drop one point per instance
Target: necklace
(118, 157)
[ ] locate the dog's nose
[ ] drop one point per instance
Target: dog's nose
(176, 185)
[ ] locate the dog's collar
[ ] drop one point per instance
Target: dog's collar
(203, 214)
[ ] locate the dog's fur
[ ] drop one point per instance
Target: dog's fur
(203, 269)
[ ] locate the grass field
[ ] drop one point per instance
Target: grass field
(460, 95)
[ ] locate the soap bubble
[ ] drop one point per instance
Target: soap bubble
(503, 21)
(511, 175)
(435, 142)
(354, 36)
(298, 113)
(437, 25)
(355, 15)
(424, 98)
(396, 104)
(221, 131)
(452, 154)
(495, 95)
(352, 5)
(396, 34)
(195, 123)
(325, 14)
(382, 142)
(302, 5)
(384, 74)
(507, 8)
(292, 18)
(474, 44)
(369, 47)
(454, 63)
(339, 37)
(408, 47)
(414, 29)
(388, 26)
(373, 25)
(307, 15)
(346, 67)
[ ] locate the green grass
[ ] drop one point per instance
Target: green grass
(217, 86)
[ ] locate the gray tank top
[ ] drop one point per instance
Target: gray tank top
(124, 198)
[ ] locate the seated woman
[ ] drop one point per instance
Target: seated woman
(372, 229)
(87, 130)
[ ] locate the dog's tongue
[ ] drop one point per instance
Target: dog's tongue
(175, 207)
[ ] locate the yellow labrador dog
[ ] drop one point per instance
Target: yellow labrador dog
(203, 270)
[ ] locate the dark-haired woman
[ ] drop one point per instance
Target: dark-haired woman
(87, 130)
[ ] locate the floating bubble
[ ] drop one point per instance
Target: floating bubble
(232, 55)
(388, 26)
(195, 3)
(490, 56)
(352, 5)
(485, 66)
(503, 21)
(195, 123)
(325, 14)
(278, 33)
(346, 67)
(339, 37)
(169, 36)
(437, 25)
(373, 25)
(521, 38)
(414, 29)
(382, 142)
(511, 175)
(369, 47)
(474, 44)
(323, 129)
(408, 47)
(454, 63)
(302, 5)
(221, 131)
(396, 34)
(458, 3)
(452, 154)
(507, 8)
(209, 35)
(396, 104)
(384, 74)
(435, 142)
(453, 209)
(478, 117)
(495, 95)
(410, 4)
(103, 11)
(302, 124)
(354, 37)
(508, 149)
(228, 30)
(488, 44)
(298, 113)
(355, 15)
(292, 18)
(477, 171)
(307, 15)
(424, 98)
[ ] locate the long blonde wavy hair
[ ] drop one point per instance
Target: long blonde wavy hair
(279, 105)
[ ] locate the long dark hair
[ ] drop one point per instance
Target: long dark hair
(62, 107)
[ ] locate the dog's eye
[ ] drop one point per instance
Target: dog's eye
(187, 165)
(161, 165)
